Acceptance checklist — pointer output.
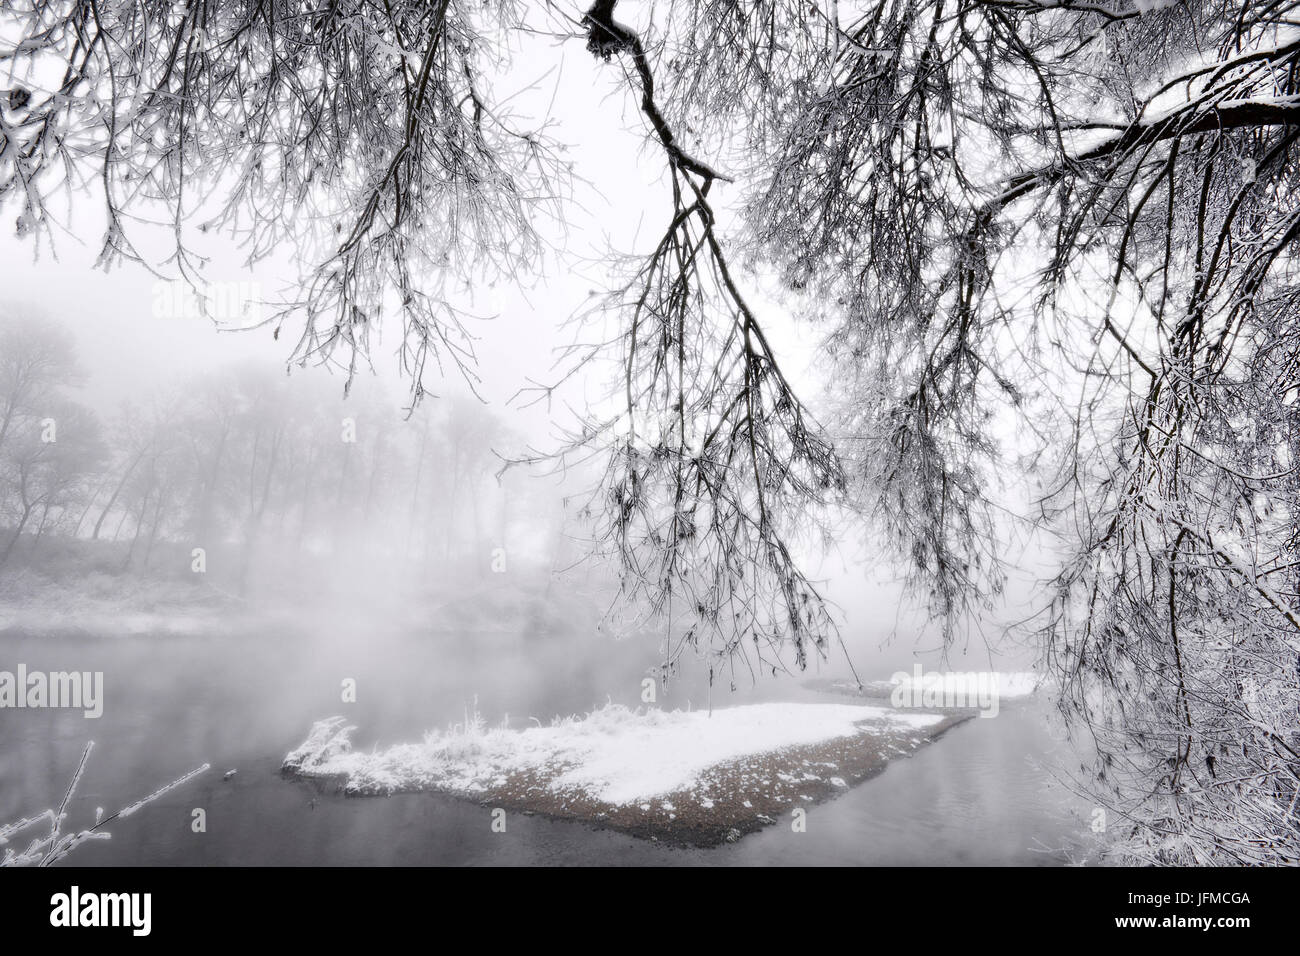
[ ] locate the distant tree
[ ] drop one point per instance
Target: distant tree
(36, 361)
(134, 438)
(470, 432)
(209, 427)
(156, 472)
(40, 478)
(1047, 233)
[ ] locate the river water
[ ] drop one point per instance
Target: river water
(982, 794)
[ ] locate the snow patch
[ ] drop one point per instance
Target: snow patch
(614, 754)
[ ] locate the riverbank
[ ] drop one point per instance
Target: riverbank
(84, 588)
(748, 795)
(983, 795)
(681, 778)
(114, 605)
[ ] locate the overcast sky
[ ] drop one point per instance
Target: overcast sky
(619, 202)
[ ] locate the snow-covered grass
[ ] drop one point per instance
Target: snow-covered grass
(53, 844)
(107, 604)
(615, 755)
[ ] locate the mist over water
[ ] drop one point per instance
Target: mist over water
(351, 539)
(241, 701)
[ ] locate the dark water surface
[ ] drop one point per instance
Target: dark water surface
(982, 794)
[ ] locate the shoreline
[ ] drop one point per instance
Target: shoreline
(725, 803)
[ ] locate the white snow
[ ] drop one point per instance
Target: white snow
(614, 754)
(1147, 6)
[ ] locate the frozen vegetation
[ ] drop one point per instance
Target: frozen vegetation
(616, 754)
(635, 768)
(47, 840)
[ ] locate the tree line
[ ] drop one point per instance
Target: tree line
(253, 462)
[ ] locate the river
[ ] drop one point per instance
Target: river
(982, 794)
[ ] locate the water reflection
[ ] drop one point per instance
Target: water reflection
(976, 796)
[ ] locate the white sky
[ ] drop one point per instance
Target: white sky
(619, 201)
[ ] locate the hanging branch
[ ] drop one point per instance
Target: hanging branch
(713, 461)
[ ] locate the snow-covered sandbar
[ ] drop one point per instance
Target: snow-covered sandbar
(679, 776)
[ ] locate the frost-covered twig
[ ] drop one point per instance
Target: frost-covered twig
(47, 850)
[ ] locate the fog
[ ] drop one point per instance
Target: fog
(191, 466)
(227, 543)
(244, 536)
(202, 436)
